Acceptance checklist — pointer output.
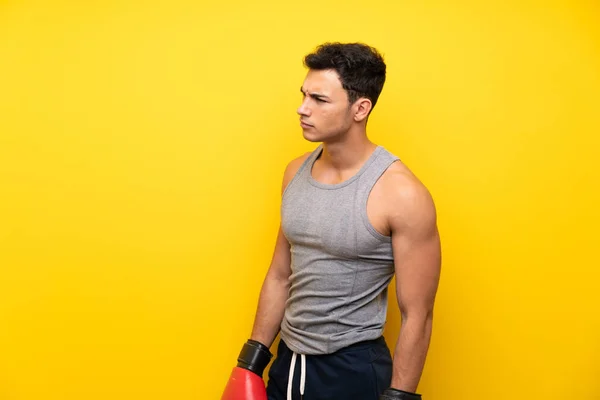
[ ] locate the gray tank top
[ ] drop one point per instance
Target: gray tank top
(341, 266)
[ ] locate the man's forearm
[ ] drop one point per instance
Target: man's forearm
(271, 304)
(411, 351)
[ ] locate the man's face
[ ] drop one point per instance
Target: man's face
(325, 114)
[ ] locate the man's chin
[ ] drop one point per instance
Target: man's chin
(311, 138)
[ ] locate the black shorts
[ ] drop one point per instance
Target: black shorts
(361, 371)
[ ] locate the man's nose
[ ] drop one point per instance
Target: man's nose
(304, 109)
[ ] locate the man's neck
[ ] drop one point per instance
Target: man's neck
(348, 154)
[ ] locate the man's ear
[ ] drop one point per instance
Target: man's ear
(363, 108)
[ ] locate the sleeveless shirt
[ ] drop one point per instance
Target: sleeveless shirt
(341, 265)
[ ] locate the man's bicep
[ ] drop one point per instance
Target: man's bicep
(417, 259)
(280, 264)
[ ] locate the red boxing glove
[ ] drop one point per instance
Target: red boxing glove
(245, 382)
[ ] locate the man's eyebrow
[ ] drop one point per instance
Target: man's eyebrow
(316, 95)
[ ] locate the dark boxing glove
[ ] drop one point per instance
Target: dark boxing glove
(395, 394)
(254, 357)
(245, 382)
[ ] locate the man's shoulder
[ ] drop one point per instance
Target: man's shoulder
(398, 178)
(405, 194)
(292, 168)
(295, 164)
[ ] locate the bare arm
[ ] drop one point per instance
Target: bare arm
(273, 295)
(274, 292)
(417, 255)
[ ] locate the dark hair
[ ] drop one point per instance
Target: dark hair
(360, 67)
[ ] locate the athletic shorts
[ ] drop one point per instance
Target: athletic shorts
(361, 371)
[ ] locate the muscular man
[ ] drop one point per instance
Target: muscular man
(352, 216)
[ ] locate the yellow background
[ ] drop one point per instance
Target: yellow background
(142, 145)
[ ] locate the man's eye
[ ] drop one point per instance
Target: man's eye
(319, 100)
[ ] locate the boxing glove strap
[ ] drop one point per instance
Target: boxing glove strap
(254, 357)
(395, 394)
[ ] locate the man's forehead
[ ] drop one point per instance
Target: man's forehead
(324, 81)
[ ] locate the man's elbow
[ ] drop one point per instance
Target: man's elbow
(279, 278)
(419, 319)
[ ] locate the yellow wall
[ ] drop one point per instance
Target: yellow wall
(142, 145)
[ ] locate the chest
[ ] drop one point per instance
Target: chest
(344, 222)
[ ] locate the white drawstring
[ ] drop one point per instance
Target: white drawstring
(302, 375)
(291, 376)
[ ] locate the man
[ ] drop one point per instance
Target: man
(352, 216)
